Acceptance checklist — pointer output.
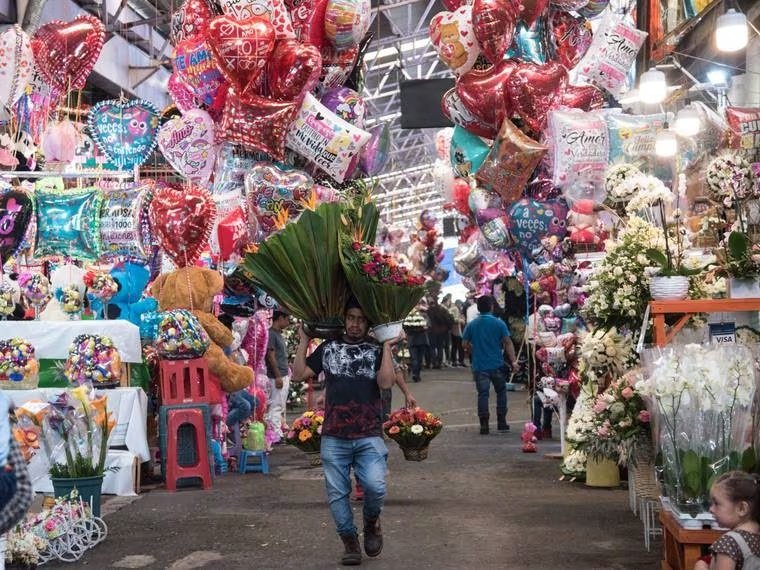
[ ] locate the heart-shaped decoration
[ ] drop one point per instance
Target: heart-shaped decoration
(182, 218)
(531, 10)
(194, 65)
(455, 110)
(572, 37)
(257, 123)
(293, 69)
(586, 97)
(273, 11)
(494, 24)
(308, 19)
(66, 52)
(484, 93)
(240, 49)
(16, 209)
(16, 66)
(191, 20)
(182, 95)
(187, 142)
(275, 195)
(533, 89)
(125, 130)
(449, 33)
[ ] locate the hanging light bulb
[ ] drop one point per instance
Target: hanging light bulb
(653, 87)
(688, 122)
(731, 32)
(665, 144)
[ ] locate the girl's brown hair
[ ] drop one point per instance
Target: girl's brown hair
(741, 486)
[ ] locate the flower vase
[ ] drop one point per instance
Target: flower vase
(670, 288)
(315, 458)
(743, 288)
(602, 473)
(89, 489)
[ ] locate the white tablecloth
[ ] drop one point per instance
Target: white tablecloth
(51, 339)
(129, 407)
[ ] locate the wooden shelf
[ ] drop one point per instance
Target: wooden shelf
(689, 307)
(683, 547)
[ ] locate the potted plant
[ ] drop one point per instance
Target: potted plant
(306, 434)
(740, 261)
(413, 430)
(300, 264)
(75, 428)
(386, 290)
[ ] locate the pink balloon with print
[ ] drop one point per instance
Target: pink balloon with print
(453, 37)
(182, 95)
(187, 142)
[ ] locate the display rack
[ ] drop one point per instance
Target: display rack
(89, 173)
(689, 307)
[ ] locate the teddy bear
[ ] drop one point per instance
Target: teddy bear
(581, 223)
(452, 49)
(194, 288)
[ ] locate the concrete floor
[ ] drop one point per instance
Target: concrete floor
(477, 502)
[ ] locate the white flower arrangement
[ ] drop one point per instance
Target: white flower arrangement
(575, 463)
(607, 350)
(646, 191)
(614, 179)
(23, 547)
(730, 177)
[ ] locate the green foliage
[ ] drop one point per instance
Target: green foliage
(667, 267)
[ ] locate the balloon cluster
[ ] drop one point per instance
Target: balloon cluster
(93, 359)
(181, 336)
(17, 361)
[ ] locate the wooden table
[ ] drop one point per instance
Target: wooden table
(683, 547)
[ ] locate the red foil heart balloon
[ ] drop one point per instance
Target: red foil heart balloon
(532, 10)
(585, 97)
(66, 52)
(257, 123)
(240, 49)
(484, 93)
(572, 37)
(494, 25)
(308, 18)
(190, 20)
(293, 69)
(534, 89)
(182, 218)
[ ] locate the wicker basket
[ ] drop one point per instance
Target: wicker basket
(415, 453)
(645, 480)
(315, 458)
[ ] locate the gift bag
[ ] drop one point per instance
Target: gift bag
(255, 440)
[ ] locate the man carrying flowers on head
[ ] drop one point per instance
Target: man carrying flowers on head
(355, 370)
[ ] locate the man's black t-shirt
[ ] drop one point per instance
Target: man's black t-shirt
(353, 408)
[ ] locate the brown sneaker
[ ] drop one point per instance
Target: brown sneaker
(373, 537)
(353, 554)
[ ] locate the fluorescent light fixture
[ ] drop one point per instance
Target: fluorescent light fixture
(688, 122)
(718, 77)
(653, 87)
(731, 32)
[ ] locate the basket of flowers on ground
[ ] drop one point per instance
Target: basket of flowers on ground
(386, 290)
(413, 430)
(306, 434)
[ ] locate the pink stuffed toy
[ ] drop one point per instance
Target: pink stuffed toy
(581, 222)
(529, 438)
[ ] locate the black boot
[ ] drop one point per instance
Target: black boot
(484, 425)
(373, 537)
(501, 424)
(353, 554)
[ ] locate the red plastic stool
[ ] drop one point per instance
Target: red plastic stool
(188, 381)
(202, 468)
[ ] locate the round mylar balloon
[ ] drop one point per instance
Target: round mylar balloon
(346, 104)
(428, 219)
(125, 130)
(481, 200)
(16, 211)
(275, 196)
(496, 231)
(346, 22)
(68, 223)
(325, 139)
(453, 37)
(187, 142)
(374, 155)
(468, 152)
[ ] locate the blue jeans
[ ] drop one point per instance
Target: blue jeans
(416, 353)
(241, 405)
(542, 415)
(483, 381)
(368, 457)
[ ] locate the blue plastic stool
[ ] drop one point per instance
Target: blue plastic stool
(261, 466)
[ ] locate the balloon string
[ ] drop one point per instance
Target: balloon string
(187, 277)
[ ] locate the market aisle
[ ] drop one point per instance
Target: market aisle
(477, 502)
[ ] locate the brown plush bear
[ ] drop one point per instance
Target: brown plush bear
(176, 290)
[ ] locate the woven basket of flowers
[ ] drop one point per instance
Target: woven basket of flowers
(413, 430)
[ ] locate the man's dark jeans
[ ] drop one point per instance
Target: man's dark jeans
(483, 381)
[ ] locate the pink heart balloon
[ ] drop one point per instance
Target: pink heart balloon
(187, 142)
(272, 10)
(533, 90)
(182, 95)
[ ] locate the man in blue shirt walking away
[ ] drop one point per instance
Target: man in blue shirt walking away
(487, 338)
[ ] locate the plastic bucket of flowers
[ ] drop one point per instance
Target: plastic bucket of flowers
(306, 434)
(413, 430)
(386, 290)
